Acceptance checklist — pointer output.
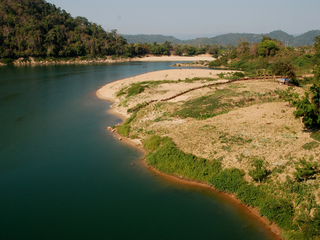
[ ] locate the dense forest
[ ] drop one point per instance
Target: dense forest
(37, 28)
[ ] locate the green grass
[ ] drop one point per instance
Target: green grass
(202, 107)
(166, 157)
(210, 106)
(316, 135)
(310, 145)
(136, 88)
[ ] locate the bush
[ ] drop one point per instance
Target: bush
(219, 62)
(124, 130)
(309, 110)
(259, 172)
(283, 67)
(238, 75)
(278, 210)
(305, 169)
(229, 180)
(250, 195)
(169, 159)
(7, 61)
(294, 81)
(152, 143)
(135, 89)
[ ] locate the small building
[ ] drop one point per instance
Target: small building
(284, 81)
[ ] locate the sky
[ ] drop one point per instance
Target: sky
(197, 18)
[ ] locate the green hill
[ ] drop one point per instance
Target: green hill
(230, 38)
(37, 28)
(145, 38)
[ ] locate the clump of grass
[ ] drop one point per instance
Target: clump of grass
(310, 145)
(124, 130)
(202, 107)
(135, 89)
(169, 159)
(316, 135)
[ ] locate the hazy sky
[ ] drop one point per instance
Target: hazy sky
(197, 17)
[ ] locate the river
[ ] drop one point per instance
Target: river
(63, 176)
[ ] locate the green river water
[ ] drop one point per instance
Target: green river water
(63, 176)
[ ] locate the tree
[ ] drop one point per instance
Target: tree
(267, 48)
(191, 50)
(309, 107)
(259, 172)
(317, 44)
(283, 67)
(305, 169)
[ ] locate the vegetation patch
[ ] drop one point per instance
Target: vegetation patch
(166, 157)
(198, 107)
(316, 135)
(310, 145)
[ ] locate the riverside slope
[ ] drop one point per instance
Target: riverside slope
(109, 92)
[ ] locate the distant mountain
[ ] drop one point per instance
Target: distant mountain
(151, 38)
(229, 38)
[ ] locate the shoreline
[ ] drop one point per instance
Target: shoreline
(30, 61)
(272, 227)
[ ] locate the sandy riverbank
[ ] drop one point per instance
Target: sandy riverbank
(203, 57)
(109, 91)
(109, 60)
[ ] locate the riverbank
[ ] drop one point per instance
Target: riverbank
(202, 57)
(110, 92)
(31, 61)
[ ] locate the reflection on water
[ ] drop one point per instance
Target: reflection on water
(63, 176)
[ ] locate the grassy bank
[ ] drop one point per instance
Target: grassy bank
(277, 202)
(241, 137)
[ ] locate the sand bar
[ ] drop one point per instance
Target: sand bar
(202, 57)
(109, 91)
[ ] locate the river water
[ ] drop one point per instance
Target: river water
(63, 176)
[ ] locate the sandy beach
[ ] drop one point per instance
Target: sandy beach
(109, 91)
(202, 57)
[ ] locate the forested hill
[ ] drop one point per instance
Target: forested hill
(37, 28)
(230, 38)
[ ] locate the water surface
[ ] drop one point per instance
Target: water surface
(63, 176)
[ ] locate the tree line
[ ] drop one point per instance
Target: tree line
(39, 29)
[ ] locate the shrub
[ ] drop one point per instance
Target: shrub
(7, 61)
(124, 130)
(259, 172)
(309, 107)
(169, 159)
(238, 75)
(305, 169)
(152, 143)
(229, 180)
(135, 89)
(250, 194)
(283, 67)
(278, 210)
